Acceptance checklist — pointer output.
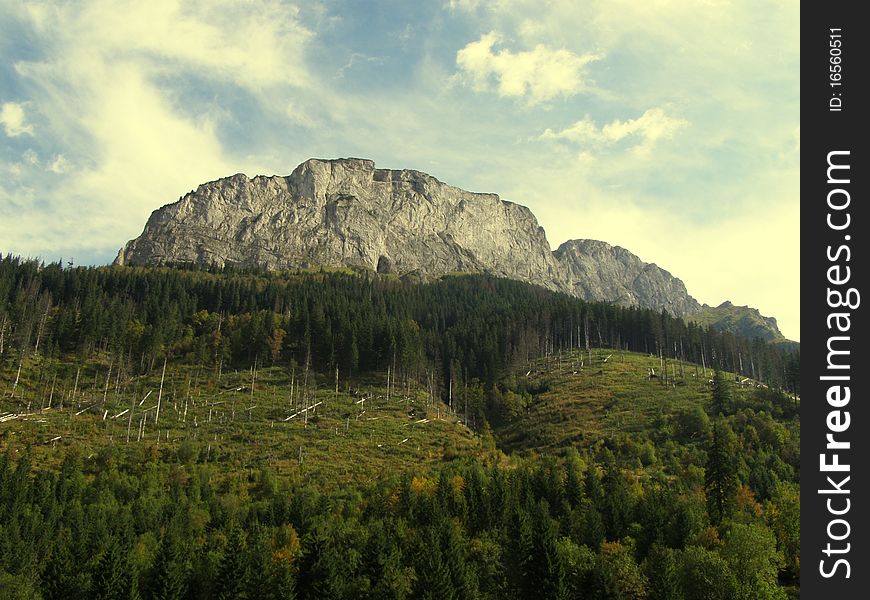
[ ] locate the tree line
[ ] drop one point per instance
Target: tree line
(459, 327)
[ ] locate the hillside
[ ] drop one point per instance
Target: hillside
(349, 436)
(469, 437)
(740, 320)
(583, 398)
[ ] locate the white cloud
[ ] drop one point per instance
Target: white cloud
(252, 46)
(14, 120)
(538, 75)
(357, 58)
(651, 126)
(30, 157)
(464, 5)
(111, 82)
(59, 165)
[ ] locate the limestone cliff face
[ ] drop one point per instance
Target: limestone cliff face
(348, 213)
(597, 270)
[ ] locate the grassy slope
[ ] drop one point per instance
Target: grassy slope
(341, 443)
(605, 399)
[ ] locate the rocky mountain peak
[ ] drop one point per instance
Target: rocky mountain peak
(598, 270)
(348, 213)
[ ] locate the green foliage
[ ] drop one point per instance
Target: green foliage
(617, 574)
(705, 575)
(720, 474)
(784, 517)
(232, 574)
(662, 572)
(112, 579)
(693, 423)
(546, 569)
(170, 571)
(474, 532)
(604, 493)
(721, 393)
(342, 320)
(750, 550)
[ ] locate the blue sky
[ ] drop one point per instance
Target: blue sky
(668, 127)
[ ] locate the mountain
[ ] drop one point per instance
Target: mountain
(599, 271)
(742, 320)
(348, 213)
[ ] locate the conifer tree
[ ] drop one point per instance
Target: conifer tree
(720, 475)
(169, 573)
(662, 572)
(232, 574)
(573, 478)
(62, 579)
(112, 575)
(721, 393)
(435, 581)
(545, 570)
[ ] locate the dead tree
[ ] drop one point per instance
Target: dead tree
(160, 393)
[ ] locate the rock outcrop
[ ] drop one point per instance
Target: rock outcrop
(597, 270)
(740, 320)
(347, 213)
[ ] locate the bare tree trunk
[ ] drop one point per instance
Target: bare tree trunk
(253, 383)
(130, 418)
(106, 388)
(160, 393)
(292, 384)
(703, 361)
(76, 384)
(41, 327)
(51, 395)
(17, 375)
(2, 334)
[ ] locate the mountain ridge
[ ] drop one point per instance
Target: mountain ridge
(348, 213)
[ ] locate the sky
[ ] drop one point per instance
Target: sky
(667, 127)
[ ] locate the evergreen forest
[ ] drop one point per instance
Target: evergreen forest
(181, 432)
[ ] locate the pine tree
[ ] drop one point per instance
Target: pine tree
(232, 574)
(662, 572)
(461, 572)
(573, 478)
(721, 393)
(435, 581)
(112, 576)
(169, 570)
(616, 502)
(545, 570)
(720, 475)
(62, 579)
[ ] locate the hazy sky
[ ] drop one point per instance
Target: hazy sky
(668, 127)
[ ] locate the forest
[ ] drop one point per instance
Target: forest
(474, 438)
(457, 327)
